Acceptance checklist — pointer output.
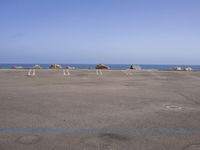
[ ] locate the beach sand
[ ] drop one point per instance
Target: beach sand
(118, 110)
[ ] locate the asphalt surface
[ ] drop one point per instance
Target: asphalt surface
(99, 110)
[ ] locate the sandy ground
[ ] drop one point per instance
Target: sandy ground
(118, 110)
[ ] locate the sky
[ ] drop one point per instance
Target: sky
(100, 31)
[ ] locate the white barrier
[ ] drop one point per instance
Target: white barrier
(31, 72)
(99, 72)
(66, 72)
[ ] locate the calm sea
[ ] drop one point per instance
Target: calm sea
(112, 66)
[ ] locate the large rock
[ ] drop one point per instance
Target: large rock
(101, 66)
(17, 67)
(70, 67)
(37, 67)
(188, 69)
(178, 68)
(55, 66)
(135, 67)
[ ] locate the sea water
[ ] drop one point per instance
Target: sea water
(112, 66)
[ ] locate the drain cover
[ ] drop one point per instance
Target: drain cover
(192, 147)
(28, 139)
(174, 107)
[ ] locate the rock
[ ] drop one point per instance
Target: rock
(135, 67)
(37, 67)
(101, 66)
(70, 67)
(17, 67)
(178, 68)
(188, 69)
(55, 66)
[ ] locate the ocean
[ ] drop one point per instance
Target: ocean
(112, 66)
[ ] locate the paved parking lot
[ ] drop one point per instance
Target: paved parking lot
(99, 110)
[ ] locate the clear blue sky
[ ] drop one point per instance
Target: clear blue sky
(100, 31)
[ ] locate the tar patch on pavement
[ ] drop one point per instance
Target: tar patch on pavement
(104, 141)
(113, 136)
(192, 147)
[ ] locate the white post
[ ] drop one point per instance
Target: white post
(100, 72)
(33, 72)
(97, 72)
(68, 72)
(64, 73)
(29, 72)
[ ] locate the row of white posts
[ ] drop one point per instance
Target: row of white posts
(66, 72)
(31, 72)
(99, 72)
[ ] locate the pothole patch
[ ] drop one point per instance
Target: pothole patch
(94, 143)
(28, 139)
(112, 136)
(173, 107)
(104, 140)
(192, 147)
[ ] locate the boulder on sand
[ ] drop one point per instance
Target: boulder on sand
(70, 67)
(17, 67)
(188, 69)
(55, 66)
(135, 67)
(178, 68)
(101, 66)
(37, 67)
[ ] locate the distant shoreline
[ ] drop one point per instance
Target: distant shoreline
(112, 66)
(112, 70)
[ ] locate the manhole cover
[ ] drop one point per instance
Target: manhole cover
(28, 139)
(174, 107)
(192, 147)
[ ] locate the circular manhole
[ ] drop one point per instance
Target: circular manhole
(192, 147)
(28, 139)
(174, 107)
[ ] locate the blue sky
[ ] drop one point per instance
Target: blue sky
(100, 31)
